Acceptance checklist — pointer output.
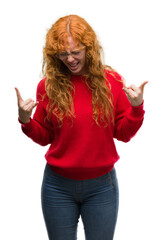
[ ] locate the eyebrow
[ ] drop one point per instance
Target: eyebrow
(76, 49)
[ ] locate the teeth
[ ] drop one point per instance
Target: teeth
(74, 65)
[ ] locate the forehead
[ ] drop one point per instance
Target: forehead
(69, 44)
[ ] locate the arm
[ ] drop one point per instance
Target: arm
(39, 129)
(128, 118)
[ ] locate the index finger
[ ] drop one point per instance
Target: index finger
(143, 84)
(19, 97)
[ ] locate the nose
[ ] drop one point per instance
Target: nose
(70, 58)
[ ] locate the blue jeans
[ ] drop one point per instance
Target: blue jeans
(64, 200)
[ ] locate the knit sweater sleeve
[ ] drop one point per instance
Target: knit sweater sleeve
(39, 129)
(128, 119)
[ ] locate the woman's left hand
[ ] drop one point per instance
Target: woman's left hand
(135, 94)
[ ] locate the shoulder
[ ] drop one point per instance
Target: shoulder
(41, 89)
(41, 85)
(114, 79)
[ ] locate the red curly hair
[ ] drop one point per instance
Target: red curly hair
(58, 83)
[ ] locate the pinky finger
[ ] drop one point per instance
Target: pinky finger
(35, 104)
(30, 106)
(128, 93)
(132, 93)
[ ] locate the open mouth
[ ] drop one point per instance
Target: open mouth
(73, 66)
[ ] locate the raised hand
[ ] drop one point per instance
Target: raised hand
(135, 94)
(25, 107)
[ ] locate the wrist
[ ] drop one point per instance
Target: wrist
(138, 105)
(24, 121)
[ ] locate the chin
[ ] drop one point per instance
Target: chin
(77, 72)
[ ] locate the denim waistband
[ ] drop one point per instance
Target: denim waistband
(48, 170)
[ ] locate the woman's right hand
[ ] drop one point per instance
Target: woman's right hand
(25, 107)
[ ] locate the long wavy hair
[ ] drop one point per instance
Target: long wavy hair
(59, 87)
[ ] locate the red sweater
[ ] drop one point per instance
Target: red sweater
(84, 150)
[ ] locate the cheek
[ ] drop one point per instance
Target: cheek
(83, 60)
(63, 61)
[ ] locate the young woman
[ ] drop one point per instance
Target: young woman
(82, 105)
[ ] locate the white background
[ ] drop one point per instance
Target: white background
(131, 35)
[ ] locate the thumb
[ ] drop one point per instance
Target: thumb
(142, 85)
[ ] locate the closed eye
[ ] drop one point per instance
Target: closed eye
(75, 52)
(63, 54)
